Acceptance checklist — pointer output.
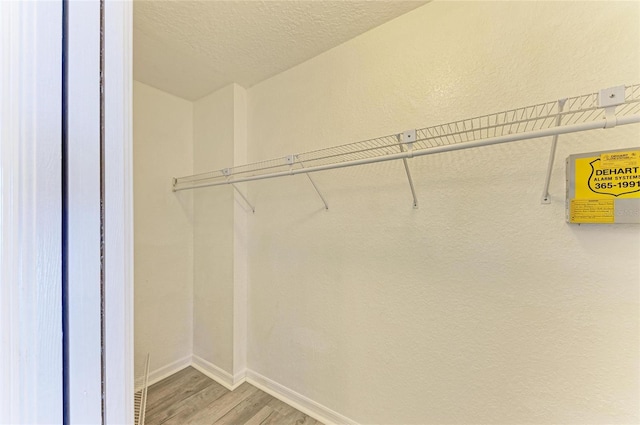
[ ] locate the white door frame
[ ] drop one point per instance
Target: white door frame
(86, 330)
(83, 305)
(119, 211)
(30, 213)
(31, 388)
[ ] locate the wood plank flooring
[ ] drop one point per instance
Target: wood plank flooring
(189, 397)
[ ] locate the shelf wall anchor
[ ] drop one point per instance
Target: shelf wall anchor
(546, 198)
(609, 99)
(407, 138)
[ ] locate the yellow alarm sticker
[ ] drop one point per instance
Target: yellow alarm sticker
(614, 175)
(592, 211)
(619, 159)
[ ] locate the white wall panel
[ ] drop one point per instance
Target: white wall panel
(163, 137)
(481, 306)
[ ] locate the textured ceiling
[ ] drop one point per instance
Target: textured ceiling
(192, 48)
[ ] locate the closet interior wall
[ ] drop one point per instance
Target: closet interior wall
(220, 283)
(213, 233)
(163, 231)
(481, 306)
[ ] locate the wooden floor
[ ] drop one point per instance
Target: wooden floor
(189, 397)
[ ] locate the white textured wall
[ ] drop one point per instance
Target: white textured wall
(190, 259)
(483, 306)
(219, 284)
(163, 222)
(241, 211)
(213, 232)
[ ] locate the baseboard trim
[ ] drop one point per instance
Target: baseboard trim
(240, 377)
(163, 372)
(300, 402)
(222, 377)
(231, 382)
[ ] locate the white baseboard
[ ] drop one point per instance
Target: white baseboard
(298, 401)
(240, 377)
(222, 377)
(231, 382)
(164, 372)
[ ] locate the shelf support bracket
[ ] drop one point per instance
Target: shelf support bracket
(291, 159)
(546, 198)
(326, 206)
(253, 209)
(408, 137)
(226, 172)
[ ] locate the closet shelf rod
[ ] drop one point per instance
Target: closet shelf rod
(564, 129)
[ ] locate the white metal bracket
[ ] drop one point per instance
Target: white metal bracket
(291, 159)
(407, 139)
(227, 174)
(546, 198)
(253, 209)
(609, 99)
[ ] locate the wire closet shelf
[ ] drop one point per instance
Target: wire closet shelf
(580, 113)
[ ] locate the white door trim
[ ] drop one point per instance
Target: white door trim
(83, 213)
(30, 212)
(119, 212)
(31, 389)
